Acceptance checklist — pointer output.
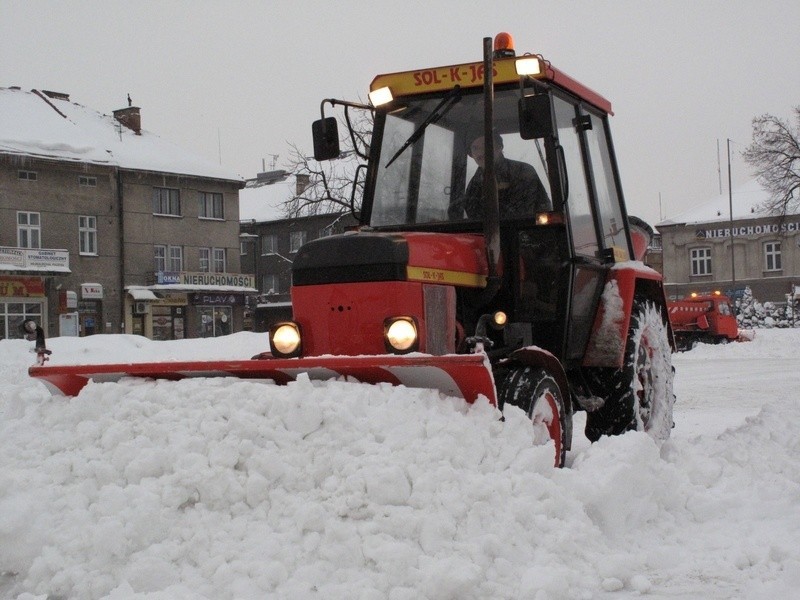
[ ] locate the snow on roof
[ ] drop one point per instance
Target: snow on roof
(747, 200)
(265, 203)
(56, 128)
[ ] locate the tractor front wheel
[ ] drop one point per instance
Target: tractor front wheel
(536, 391)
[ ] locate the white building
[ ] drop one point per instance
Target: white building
(766, 249)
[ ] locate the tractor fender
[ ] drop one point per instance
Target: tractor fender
(533, 356)
(609, 336)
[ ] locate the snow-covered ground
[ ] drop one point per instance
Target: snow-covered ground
(232, 489)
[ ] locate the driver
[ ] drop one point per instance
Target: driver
(520, 191)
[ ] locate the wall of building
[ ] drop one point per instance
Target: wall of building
(61, 193)
(747, 267)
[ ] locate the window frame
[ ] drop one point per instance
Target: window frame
(87, 232)
(773, 255)
(28, 228)
(205, 261)
(696, 261)
(294, 246)
(172, 202)
(175, 258)
(214, 201)
(160, 259)
(272, 289)
(25, 175)
(87, 181)
(272, 248)
(219, 259)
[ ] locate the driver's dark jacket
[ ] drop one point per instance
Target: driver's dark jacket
(520, 191)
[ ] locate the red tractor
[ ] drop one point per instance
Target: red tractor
(706, 318)
(504, 272)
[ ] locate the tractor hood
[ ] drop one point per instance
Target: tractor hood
(454, 259)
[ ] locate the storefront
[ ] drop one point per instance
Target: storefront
(21, 298)
(189, 305)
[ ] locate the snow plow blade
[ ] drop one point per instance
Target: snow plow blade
(467, 376)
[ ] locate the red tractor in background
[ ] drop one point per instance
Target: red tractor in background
(706, 318)
(548, 309)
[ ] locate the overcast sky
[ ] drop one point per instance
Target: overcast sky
(238, 81)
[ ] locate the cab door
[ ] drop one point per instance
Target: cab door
(594, 216)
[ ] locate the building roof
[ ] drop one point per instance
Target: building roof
(747, 202)
(50, 126)
(265, 203)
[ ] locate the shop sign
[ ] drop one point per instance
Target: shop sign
(35, 258)
(217, 299)
(172, 300)
(220, 279)
(91, 291)
(21, 287)
(13, 256)
(48, 259)
(164, 277)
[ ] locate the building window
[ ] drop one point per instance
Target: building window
(772, 256)
(205, 260)
(326, 231)
(701, 261)
(219, 260)
(84, 180)
(87, 233)
(29, 230)
(166, 201)
(270, 284)
(160, 255)
(269, 244)
(168, 258)
(211, 205)
(175, 255)
(296, 239)
(27, 175)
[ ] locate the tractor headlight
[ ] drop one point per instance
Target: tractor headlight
(400, 334)
(285, 340)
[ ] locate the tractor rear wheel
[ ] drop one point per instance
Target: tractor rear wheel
(537, 392)
(638, 396)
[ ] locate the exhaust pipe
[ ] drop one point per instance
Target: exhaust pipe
(491, 210)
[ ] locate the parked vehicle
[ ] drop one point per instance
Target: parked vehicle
(706, 318)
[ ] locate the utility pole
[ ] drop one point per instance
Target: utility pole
(730, 207)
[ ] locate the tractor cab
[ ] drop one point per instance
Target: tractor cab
(561, 219)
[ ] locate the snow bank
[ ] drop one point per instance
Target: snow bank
(225, 488)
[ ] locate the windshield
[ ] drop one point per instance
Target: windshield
(438, 176)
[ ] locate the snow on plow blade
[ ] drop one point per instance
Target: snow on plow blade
(467, 376)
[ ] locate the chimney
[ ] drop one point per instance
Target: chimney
(303, 179)
(130, 117)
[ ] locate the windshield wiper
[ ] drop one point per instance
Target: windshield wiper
(450, 100)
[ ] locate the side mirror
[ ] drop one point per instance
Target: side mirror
(326, 138)
(536, 117)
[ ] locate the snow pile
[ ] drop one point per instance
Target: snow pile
(233, 489)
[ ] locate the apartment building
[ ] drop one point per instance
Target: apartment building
(269, 241)
(107, 228)
(729, 243)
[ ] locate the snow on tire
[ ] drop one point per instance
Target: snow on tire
(537, 392)
(638, 396)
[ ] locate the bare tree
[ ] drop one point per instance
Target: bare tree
(775, 154)
(331, 186)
